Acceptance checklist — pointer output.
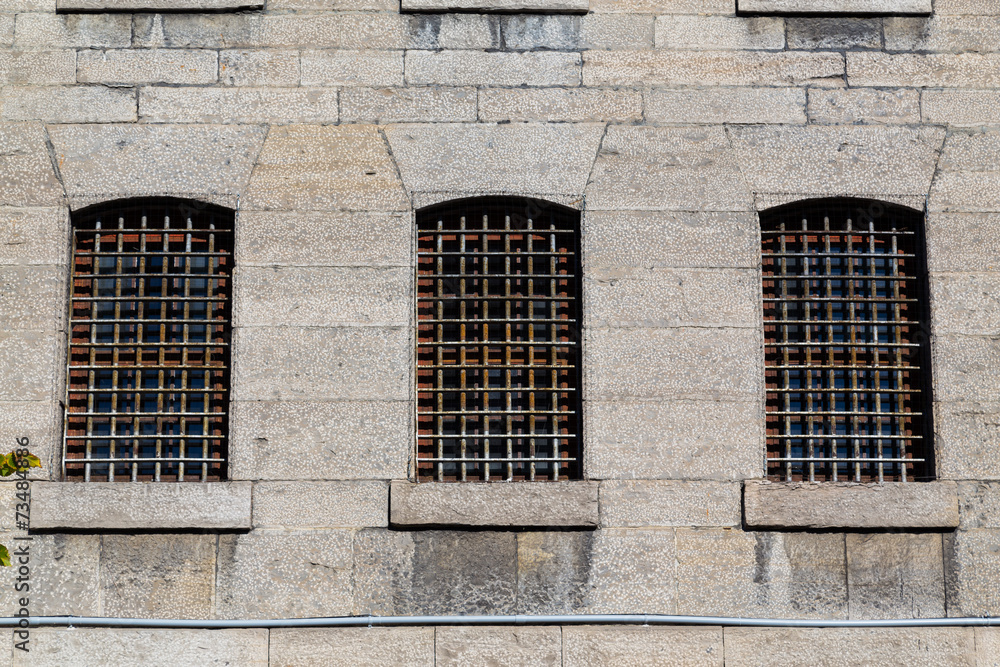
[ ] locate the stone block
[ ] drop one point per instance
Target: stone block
(31, 297)
(616, 31)
(37, 67)
(117, 506)
(962, 241)
(45, 30)
(559, 105)
(462, 157)
(237, 105)
(850, 647)
(967, 7)
(968, 177)
(308, 167)
(719, 33)
(305, 363)
(7, 29)
(157, 576)
(257, 67)
(843, 505)
(836, 160)
(310, 505)
(41, 423)
(65, 104)
(495, 5)
(972, 568)
(967, 433)
(64, 574)
(923, 70)
(528, 32)
(978, 505)
(726, 105)
(290, 440)
(833, 33)
(947, 34)
(863, 105)
(965, 303)
(463, 31)
(961, 108)
(988, 647)
(553, 569)
(632, 569)
(333, 5)
(666, 503)
(167, 66)
(334, 238)
(658, 239)
(691, 363)
(646, 646)
(465, 68)
(405, 105)
(284, 574)
(638, 297)
(28, 365)
(434, 572)
(965, 367)
(895, 575)
(33, 236)
(835, 6)
(668, 439)
(562, 504)
(156, 5)
(538, 646)
(134, 160)
(712, 68)
(368, 647)
(352, 68)
(121, 647)
(667, 168)
(662, 6)
(27, 179)
(323, 296)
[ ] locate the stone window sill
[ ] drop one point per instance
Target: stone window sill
(104, 6)
(835, 7)
(121, 506)
(912, 505)
(493, 504)
(499, 6)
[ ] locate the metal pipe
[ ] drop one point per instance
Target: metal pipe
(519, 619)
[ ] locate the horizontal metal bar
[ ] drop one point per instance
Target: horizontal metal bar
(513, 253)
(863, 323)
(497, 343)
(499, 460)
(148, 231)
(496, 297)
(486, 276)
(184, 274)
(158, 390)
(150, 253)
(131, 415)
(497, 413)
(838, 344)
(144, 436)
(858, 390)
(495, 366)
(537, 390)
(845, 414)
(851, 277)
(788, 459)
(206, 322)
(129, 368)
(513, 320)
(848, 367)
(136, 297)
(492, 436)
(861, 436)
(151, 459)
(480, 232)
(822, 254)
(841, 299)
(152, 345)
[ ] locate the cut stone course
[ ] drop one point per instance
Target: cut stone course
(403, 105)
(666, 503)
(960, 70)
(864, 105)
(632, 569)
(156, 5)
(313, 505)
(257, 67)
(708, 33)
(726, 105)
(27, 179)
(966, 303)
(835, 6)
(553, 569)
(896, 575)
(66, 104)
(968, 432)
(27, 371)
(501, 646)
(948, 34)
(352, 68)
(966, 367)
(474, 68)
(963, 241)
(961, 108)
(559, 104)
(37, 67)
(237, 105)
(833, 33)
(28, 297)
(979, 505)
(126, 66)
(604, 646)
(367, 647)
(68, 31)
(968, 177)
(972, 568)
(495, 5)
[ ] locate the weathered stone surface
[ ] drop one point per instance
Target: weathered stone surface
(64, 574)
(457, 31)
(434, 572)
(157, 576)
(711, 68)
(64, 104)
(403, 105)
(670, 439)
(126, 66)
(6, 29)
(68, 31)
(352, 68)
(965, 303)
(553, 570)
(31, 297)
(965, 367)
(897, 575)
(539, 646)
(961, 107)
(842, 505)
(837, 160)
(462, 157)
(33, 236)
(27, 365)
(975, 7)
(473, 68)
(41, 423)
(307, 167)
(328, 238)
(296, 363)
(709, 33)
(863, 105)
(666, 168)
(313, 505)
(495, 5)
(968, 177)
(37, 67)
(949, 34)
(850, 647)
(962, 241)
(663, 6)
(564, 504)
(257, 67)
(324, 296)
(26, 179)
(657, 239)
(156, 5)
(291, 440)
(972, 568)
(559, 104)
(835, 6)
(118, 647)
(237, 105)
(284, 574)
(527, 32)
(632, 569)
(726, 105)
(117, 506)
(967, 433)
(833, 33)
(132, 160)
(662, 503)
(680, 363)
(606, 646)
(371, 647)
(979, 505)
(988, 647)
(961, 70)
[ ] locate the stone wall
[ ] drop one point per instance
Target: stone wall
(669, 124)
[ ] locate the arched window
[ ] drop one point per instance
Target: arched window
(846, 342)
(147, 394)
(498, 344)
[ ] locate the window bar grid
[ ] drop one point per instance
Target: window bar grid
(147, 389)
(497, 342)
(845, 357)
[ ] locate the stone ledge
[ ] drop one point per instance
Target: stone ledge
(157, 5)
(838, 505)
(500, 504)
(835, 7)
(61, 506)
(505, 6)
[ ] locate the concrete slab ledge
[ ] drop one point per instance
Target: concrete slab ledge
(497, 6)
(113, 506)
(499, 504)
(95, 6)
(836, 7)
(916, 505)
